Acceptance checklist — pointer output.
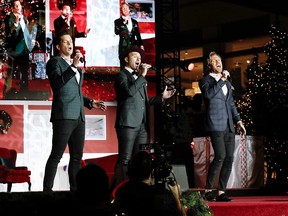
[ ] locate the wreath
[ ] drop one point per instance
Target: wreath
(5, 122)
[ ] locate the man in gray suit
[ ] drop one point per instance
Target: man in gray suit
(132, 118)
(19, 44)
(221, 114)
(67, 114)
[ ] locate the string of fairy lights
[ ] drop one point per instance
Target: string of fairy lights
(264, 106)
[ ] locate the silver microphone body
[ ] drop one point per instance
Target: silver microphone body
(226, 74)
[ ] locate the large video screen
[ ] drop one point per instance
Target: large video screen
(99, 47)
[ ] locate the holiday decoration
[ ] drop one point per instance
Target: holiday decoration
(195, 204)
(248, 105)
(5, 122)
(264, 106)
(274, 82)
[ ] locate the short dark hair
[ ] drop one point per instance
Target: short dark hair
(70, 3)
(92, 180)
(58, 38)
(140, 166)
(12, 2)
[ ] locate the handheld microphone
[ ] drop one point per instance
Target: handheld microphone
(152, 68)
(81, 58)
(226, 74)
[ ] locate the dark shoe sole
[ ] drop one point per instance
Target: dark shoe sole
(209, 196)
(223, 198)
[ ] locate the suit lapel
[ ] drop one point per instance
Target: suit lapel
(81, 76)
(64, 66)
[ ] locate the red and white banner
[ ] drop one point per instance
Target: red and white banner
(248, 164)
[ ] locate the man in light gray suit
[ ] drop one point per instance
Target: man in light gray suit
(221, 114)
(132, 118)
(67, 114)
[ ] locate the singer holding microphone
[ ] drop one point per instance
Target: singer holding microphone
(132, 117)
(128, 30)
(67, 114)
(65, 22)
(19, 45)
(221, 114)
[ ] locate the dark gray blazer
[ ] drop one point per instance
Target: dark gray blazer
(68, 100)
(132, 99)
(14, 36)
(126, 38)
(219, 108)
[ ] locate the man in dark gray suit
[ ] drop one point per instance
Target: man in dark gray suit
(128, 30)
(19, 44)
(67, 114)
(132, 118)
(221, 114)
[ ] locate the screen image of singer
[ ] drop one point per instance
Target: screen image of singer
(100, 46)
(100, 61)
(101, 43)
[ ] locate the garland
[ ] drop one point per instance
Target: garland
(195, 204)
(5, 122)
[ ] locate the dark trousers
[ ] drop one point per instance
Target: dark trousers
(129, 141)
(71, 132)
(223, 143)
(18, 67)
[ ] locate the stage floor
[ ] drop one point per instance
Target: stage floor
(251, 206)
(241, 205)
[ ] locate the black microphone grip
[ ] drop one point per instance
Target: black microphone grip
(81, 58)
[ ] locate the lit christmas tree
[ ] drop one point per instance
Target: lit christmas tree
(264, 106)
(247, 105)
(275, 97)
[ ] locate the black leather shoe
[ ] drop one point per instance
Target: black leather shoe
(209, 196)
(223, 198)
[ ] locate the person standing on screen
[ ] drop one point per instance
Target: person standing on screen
(132, 115)
(128, 30)
(66, 22)
(19, 44)
(221, 114)
(67, 114)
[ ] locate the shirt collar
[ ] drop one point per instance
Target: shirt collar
(129, 69)
(69, 61)
(123, 17)
(216, 76)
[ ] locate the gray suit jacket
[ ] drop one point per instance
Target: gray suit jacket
(14, 36)
(219, 108)
(68, 100)
(132, 99)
